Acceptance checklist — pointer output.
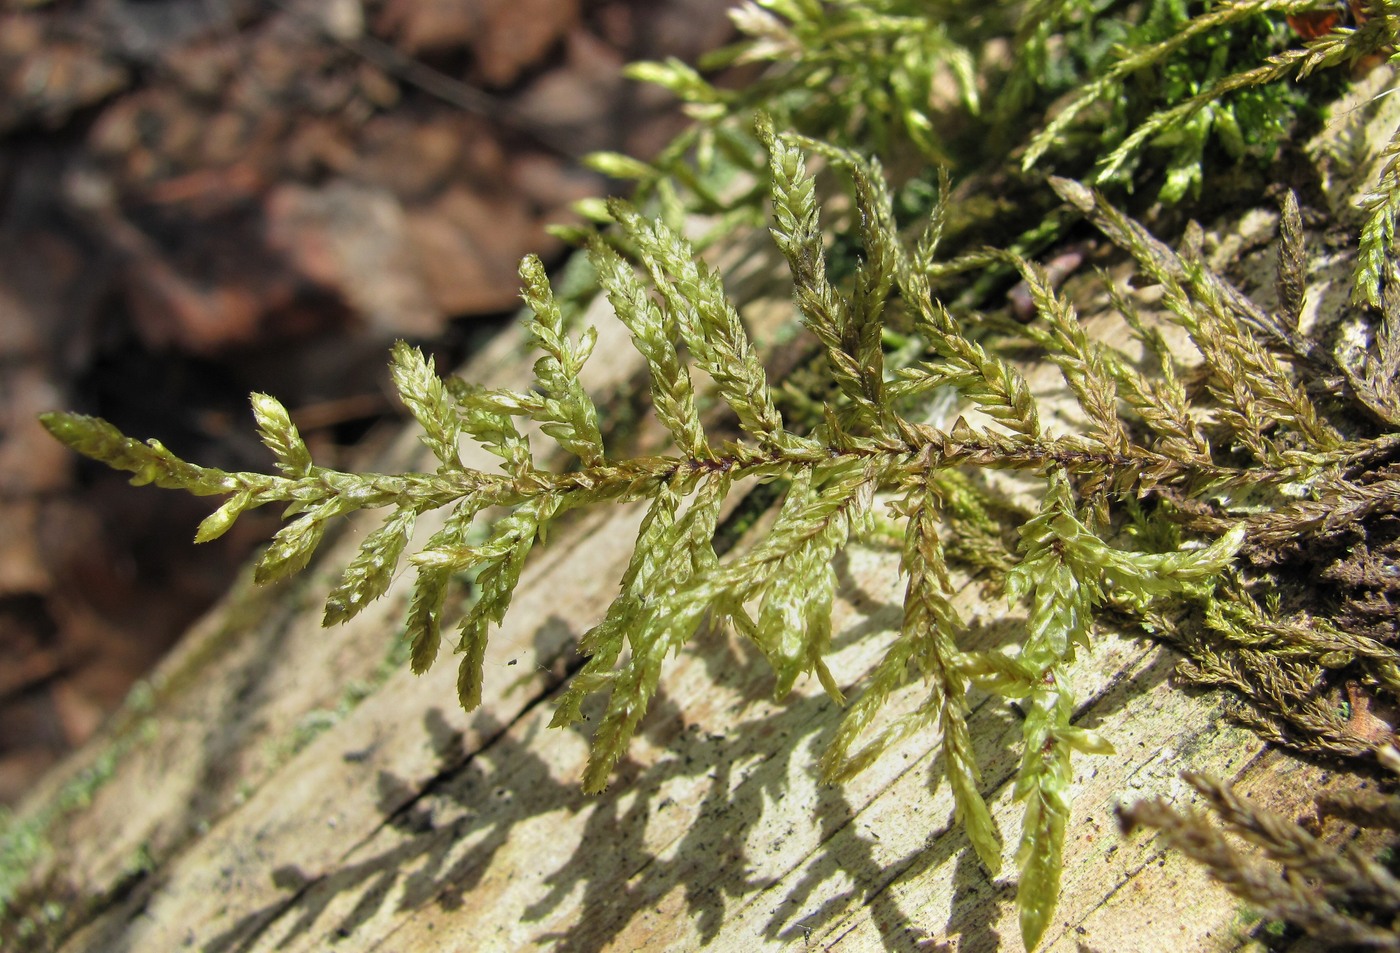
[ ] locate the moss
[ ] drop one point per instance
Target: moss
(1171, 506)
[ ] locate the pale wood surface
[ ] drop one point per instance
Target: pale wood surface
(406, 825)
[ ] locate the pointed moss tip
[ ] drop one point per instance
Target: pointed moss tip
(61, 424)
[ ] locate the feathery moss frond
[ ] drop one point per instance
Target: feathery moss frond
(565, 411)
(425, 395)
(280, 435)
(672, 393)
(372, 570)
(1143, 455)
(709, 325)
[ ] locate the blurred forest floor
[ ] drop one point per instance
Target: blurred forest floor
(202, 198)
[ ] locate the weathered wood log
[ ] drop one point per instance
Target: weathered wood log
(280, 786)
